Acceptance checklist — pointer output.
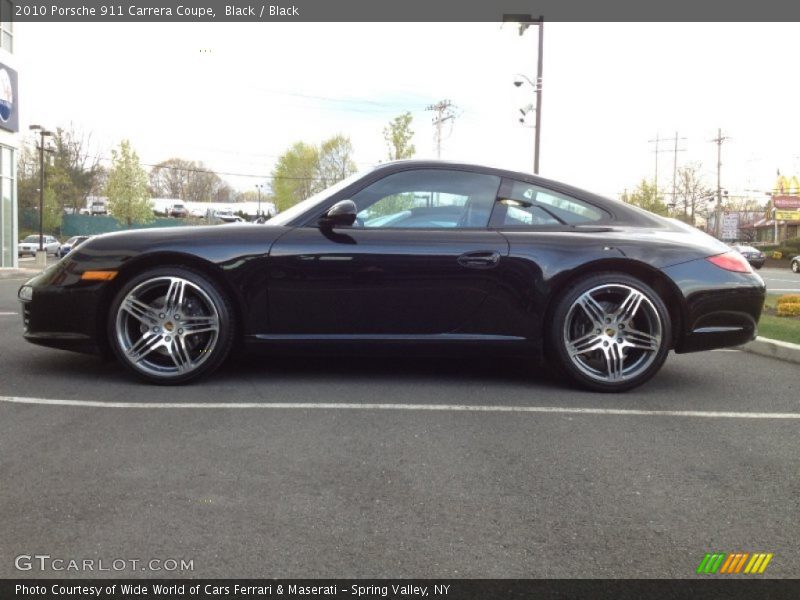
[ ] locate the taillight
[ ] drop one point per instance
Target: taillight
(731, 261)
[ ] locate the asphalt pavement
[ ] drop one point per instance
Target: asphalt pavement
(781, 281)
(398, 467)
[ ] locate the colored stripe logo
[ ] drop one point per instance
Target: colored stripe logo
(732, 564)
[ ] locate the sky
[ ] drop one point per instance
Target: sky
(236, 95)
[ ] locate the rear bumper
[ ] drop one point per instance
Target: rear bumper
(721, 307)
(720, 329)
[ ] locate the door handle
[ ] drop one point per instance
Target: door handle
(481, 259)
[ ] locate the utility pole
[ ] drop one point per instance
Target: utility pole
(657, 141)
(443, 112)
(718, 220)
(675, 171)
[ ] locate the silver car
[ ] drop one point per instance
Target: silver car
(30, 245)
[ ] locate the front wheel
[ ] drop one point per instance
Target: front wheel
(796, 266)
(610, 332)
(171, 325)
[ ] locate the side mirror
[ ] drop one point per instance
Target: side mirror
(341, 214)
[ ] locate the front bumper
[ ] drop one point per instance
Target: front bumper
(62, 316)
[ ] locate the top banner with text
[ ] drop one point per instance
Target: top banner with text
(406, 11)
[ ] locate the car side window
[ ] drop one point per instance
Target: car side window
(428, 199)
(527, 205)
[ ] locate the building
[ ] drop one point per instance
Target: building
(782, 218)
(9, 138)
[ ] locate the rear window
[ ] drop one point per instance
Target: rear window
(528, 205)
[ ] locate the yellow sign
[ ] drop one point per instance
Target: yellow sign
(787, 215)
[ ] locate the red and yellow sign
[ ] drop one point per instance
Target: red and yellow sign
(787, 215)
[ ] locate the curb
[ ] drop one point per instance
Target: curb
(774, 349)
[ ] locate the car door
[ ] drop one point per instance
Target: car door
(549, 234)
(418, 261)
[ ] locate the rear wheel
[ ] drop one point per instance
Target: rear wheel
(796, 266)
(171, 325)
(610, 332)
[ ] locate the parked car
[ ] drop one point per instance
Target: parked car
(226, 214)
(98, 207)
(30, 245)
(490, 261)
(178, 210)
(796, 264)
(71, 243)
(753, 255)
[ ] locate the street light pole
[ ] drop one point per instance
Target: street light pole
(538, 98)
(42, 134)
(526, 21)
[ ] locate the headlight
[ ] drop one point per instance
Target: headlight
(25, 293)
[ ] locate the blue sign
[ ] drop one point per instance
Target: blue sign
(9, 110)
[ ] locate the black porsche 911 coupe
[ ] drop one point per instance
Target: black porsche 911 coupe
(411, 254)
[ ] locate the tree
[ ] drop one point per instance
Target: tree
(294, 177)
(644, 196)
(334, 160)
(304, 170)
(72, 173)
(75, 172)
(691, 194)
(185, 180)
(128, 196)
(398, 134)
(53, 213)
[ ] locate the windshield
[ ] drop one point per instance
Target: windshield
(31, 238)
(298, 209)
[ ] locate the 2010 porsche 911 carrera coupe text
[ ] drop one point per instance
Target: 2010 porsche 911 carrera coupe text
(412, 253)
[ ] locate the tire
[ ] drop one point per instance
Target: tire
(610, 332)
(171, 325)
(796, 266)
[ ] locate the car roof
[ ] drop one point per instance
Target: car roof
(620, 210)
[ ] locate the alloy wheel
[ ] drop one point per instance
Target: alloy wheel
(167, 327)
(612, 333)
